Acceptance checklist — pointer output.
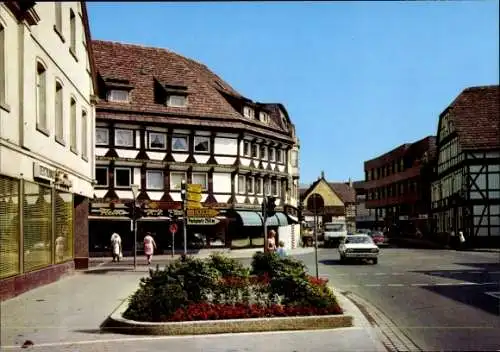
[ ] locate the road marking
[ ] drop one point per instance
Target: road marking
(419, 284)
(494, 294)
(446, 284)
(397, 273)
(373, 285)
(362, 274)
(437, 273)
(467, 283)
(396, 285)
(490, 283)
(475, 272)
(380, 274)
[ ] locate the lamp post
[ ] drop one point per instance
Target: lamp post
(184, 222)
(135, 190)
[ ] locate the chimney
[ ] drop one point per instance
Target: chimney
(322, 174)
(350, 182)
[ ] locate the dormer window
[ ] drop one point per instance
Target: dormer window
(264, 117)
(118, 96)
(248, 112)
(178, 101)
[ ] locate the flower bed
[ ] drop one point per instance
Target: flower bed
(221, 288)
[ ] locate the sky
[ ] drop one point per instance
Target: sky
(357, 78)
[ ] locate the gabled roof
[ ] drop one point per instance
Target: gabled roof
(346, 193)
(208, 95)
(475, 114)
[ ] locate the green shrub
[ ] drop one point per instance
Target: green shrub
(276, 266)
(298, 291)
(227, 266)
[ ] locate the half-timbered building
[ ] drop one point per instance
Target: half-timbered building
(466, 194)
(163, 118)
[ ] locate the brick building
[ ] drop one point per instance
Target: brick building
(397, 186)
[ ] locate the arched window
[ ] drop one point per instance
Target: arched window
(41, 95)
(315, 202)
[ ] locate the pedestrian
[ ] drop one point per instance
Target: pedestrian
(461, 238)
(149, 247)
(116, 247)
(281, 250)
(271, 241)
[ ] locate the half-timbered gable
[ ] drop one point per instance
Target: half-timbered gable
(466, 193)
(164, 118)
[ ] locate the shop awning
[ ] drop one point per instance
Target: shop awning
(273, 221)
(293, 218)
(283, 220)
(250, 218)
(109, 218)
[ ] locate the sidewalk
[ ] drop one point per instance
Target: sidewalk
(66, 315)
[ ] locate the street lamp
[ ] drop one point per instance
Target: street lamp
(135, 191)
(184, 222)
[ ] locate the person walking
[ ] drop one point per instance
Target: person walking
(149, 247)
(271, 241)
(116, 247)
(281, 249)
(461, 239)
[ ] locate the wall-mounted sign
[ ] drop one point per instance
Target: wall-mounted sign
(423, 216)
(112, 212)
(153, 212)
(202, 221)
(43, 172)
(202, 213)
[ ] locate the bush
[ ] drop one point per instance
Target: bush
(275, 266)
(227, 266)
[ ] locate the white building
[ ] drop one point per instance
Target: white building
(163, 118)
(46, 141)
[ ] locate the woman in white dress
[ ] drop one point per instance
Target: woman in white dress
(116, 246)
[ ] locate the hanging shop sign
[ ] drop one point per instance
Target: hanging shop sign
(110, 212)
(43, 172)
(202, 221)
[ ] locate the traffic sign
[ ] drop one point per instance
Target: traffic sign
(194, 188)
(203, 213)
(202, 221)
(194, 197)
(193, 205)
(173, 228)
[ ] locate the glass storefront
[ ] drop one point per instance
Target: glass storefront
(63, 245)
(9, 227)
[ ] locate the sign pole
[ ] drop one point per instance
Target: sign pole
(173, 230)
(316, 237)
(184, 227)
(264, 217)
(135, 236)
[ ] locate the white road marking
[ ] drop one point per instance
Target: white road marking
(467, 283)
(494, 294)
(396, 285)
(445, 283)
(373, 285)
(380, 274)
(490, 283)
(475, 272)
(419, 284)
(397, 273)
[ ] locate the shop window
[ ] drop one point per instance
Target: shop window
(200, 178)
(154, 179)
(202, 144)
(63, 244)
(37, 226)
(9, 227)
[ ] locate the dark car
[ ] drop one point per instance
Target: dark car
(378, 237)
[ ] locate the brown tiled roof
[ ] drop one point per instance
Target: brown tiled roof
(476, 114)
(346, 194)
(141, 66)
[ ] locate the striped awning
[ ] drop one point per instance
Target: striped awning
(250, 218)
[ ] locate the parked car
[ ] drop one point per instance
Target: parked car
(358, 246)
(378, 238)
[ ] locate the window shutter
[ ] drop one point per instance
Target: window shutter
(9, 227)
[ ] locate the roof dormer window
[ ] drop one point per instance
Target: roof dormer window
(118, 96)
(264, 117)
(248, 112)
(178, 101)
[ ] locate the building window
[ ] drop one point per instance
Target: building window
(59, 113)
(200, 178)
(294, 157)
(41, 96)
(275, 189)
(263, 152)
(118, 96)
(255, 151)
(268, 187)
(154, 179)
(279, 155)
(58, 22)
(123, 177)
(248, 112)
(84, 128)
(124, 138)
(180, 143)
(178, 101)
(202, 144)
(272, 154)
(157, 140)
(3, 71)
(176, 180)
(250, 184)
(246, 148)
(101, 136)
(258, 185)
(101, 176)
(264, 117)
(241, 184)
(63, 226)
(72, 137)
(72, 36)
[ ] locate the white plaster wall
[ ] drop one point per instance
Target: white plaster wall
(221, 182)
(285, 235)
(25, 46)
(227, 146)
(225, 160)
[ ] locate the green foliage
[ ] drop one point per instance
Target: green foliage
(298, 291)
(276, 266)
(227, 266)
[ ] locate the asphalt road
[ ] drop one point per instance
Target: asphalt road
(442, 299)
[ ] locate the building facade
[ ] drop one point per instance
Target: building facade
(466, 193)
(329, 201)
(163, 118)
(46, 142)
(365, 218)
(397, 186)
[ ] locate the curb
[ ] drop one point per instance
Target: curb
(390, 335)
